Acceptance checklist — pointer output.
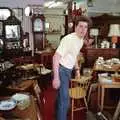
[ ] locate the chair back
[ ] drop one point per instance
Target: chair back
(79, 87)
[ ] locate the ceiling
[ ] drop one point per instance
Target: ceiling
(99, 6)
(56, 3)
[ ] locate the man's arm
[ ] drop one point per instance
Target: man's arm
(56, 79)
(77, 68)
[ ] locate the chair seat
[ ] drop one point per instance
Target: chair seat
(77, 92)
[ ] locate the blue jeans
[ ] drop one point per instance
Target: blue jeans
(63, 94)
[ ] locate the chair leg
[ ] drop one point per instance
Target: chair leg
(72, 114)
(89, 94)
(92, 87)
(117, 112)
(86, 103)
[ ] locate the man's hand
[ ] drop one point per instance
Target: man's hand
(56, 83)
(77, 74)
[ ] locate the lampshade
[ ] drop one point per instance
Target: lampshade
(94, 32)
(114, 30)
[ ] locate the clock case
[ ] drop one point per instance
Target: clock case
(38, 29)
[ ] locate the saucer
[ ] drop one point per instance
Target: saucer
(7, 104)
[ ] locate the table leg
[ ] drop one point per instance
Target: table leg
(102, 97)
(98, 95)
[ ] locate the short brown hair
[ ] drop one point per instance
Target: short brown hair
(84, 19)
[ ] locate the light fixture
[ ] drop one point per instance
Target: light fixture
(94, 32)
(114, 32)
(53, 4)
(28, 11)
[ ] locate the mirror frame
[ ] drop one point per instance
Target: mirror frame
(11, 21)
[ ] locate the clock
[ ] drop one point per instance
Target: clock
(38, 27)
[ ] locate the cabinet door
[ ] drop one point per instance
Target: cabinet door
(39, 41)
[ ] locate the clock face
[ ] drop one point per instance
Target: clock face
(38, 25)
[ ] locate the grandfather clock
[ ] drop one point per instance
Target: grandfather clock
(38, 28)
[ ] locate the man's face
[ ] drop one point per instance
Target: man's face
(81, 28)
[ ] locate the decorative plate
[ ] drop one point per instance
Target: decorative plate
(7, 104)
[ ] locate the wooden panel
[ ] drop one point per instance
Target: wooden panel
(102, 22)
(91, 54)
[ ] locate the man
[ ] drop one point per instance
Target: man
(64, 60)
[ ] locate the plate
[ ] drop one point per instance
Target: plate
(20, 97)
(7, 104)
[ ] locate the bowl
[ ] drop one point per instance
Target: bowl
(23, 100)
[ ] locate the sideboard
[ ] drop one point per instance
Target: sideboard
(91, 54)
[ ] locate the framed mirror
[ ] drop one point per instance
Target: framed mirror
(12, 32)
(12, 29)
(5, 13)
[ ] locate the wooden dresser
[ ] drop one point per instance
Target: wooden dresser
(91, 54)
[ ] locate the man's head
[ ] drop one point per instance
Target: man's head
(82, 23)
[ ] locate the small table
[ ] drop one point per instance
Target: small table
(24, 86)
(29, 113)
(103, 86)
(101, 91)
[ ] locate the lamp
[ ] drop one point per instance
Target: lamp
(94, 32)
(114, 32)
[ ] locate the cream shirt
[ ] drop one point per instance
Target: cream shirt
(69, 48)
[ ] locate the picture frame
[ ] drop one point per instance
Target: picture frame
(18, 12)
(90, 3)
(1, 28)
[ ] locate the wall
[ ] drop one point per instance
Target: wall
(26, 23)
(56, 18)
(56, 21)
(105, 6)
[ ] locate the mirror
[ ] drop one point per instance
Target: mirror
(4, 13)
(12, 32)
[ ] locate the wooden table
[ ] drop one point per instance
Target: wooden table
(101, 92)
(28, 113)
(103, 86)
(114, 68)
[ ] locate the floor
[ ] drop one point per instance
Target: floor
(82, 115)
(91, 116)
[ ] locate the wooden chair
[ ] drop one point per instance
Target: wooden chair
(78, 91)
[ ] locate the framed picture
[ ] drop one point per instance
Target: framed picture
(90, 3)
(1, 28)
(18, 13)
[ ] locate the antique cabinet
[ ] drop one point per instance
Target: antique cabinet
(91, 54)
(38, 28)
(12, 37)
(103, 22)
(5, 12)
